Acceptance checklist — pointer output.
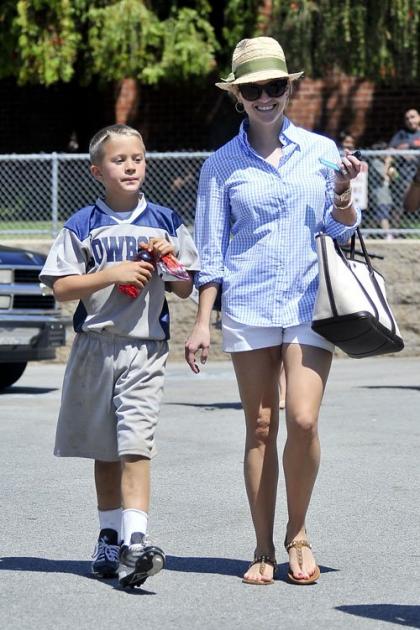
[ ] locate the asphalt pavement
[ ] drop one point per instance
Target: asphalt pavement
(364, 520)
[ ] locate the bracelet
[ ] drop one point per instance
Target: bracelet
(344, 207)
(343, 198)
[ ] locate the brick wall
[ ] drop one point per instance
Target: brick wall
(192, 116)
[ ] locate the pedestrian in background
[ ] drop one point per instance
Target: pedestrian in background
(405, 139)
(262, 197)
(383, 172)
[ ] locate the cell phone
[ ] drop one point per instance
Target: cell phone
(357, 154)
(329, 164)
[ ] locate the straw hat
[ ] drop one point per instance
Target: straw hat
(257, 59)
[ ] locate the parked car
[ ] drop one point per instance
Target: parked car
(31, 323)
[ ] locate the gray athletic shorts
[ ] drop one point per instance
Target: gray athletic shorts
(111, 397)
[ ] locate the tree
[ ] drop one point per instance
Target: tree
(46, 41)
(112, 39)
(372, 39)
(131, 42)
(363, 38)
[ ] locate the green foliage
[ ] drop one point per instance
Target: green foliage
(44, 41)
(241, 20)
(189, 45)
(126, 39)
(8, 56)
(366, 38)
(48, 40)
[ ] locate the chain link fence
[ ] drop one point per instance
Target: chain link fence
(38, 192)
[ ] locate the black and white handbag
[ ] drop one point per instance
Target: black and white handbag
(351, 309)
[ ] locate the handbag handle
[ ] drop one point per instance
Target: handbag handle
(364, 251)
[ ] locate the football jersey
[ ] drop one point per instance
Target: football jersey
(95, 238)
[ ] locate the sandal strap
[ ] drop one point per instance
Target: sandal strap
(263, 560)
(298, 545)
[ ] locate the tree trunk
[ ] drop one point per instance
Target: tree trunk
(264, 17)
(127, 101)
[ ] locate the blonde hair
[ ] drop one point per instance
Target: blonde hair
(96, 145)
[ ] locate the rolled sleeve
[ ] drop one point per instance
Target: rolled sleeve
(338, 230)
(212, 225)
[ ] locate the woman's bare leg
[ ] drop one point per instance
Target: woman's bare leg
(307, 370)
(257, 373)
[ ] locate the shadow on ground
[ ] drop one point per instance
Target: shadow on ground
(76, 567)
(226, 405)
(221, 566)
(413, 387)
(394, 613)
(185, 564)
(28, 390)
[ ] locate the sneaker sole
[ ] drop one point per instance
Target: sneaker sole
(149, 563)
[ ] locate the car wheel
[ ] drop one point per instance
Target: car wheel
(10, 373)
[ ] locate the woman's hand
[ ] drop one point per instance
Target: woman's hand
(199, 339)
(350, 167)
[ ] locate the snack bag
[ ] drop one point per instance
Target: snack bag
(171, 269)
(168, 267)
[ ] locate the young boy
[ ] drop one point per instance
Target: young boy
(114, 377)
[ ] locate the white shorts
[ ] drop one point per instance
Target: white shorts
(239, 337)
(111, 397)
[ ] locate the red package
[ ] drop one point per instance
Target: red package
(169, 265)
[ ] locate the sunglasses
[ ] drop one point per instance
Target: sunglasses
(253, 91)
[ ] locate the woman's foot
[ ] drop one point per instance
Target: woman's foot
(262, 569)
(303, 568)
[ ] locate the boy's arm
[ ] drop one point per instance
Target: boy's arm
(182, 288)
(77, 287)
(161, 247)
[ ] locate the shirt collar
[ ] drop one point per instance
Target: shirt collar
(123, 217)
(289, 133)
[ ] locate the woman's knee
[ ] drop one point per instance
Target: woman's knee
(263, 431)
(303, 424)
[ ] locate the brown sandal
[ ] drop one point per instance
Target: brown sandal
(298, 544)
(262, 560)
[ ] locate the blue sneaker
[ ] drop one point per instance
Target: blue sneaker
(106, 556)
(139, 560)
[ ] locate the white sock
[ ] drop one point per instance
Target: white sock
(133, 521)
(110, 519)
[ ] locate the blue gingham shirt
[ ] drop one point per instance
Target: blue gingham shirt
(255, 226)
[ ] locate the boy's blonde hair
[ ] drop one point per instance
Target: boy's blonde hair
(96, 145)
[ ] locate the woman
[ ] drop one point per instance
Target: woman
(262, 198)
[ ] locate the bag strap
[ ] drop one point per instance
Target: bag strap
(352, 251)
(363, 246)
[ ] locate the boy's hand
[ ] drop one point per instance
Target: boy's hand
(158, 247)
(133, 272)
